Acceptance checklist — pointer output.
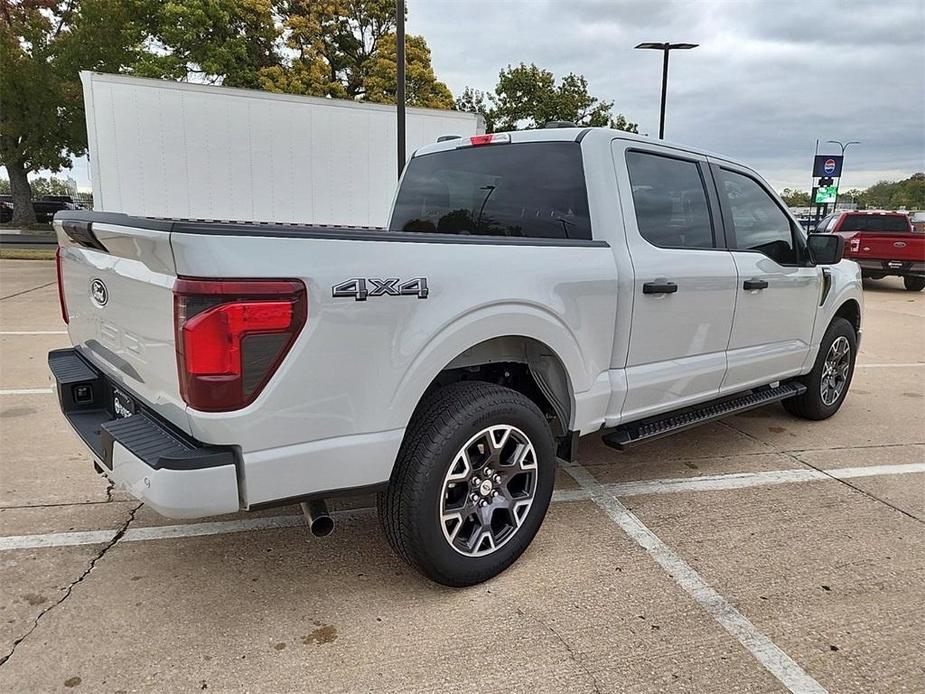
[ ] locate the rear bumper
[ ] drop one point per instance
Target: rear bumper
(177, 476)
(900, 268)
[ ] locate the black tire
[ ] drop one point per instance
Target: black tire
(914, 284)
(410, 508)
(811, 405)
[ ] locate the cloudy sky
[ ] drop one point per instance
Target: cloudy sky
(767, 80)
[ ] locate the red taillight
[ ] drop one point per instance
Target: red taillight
(232, 335)
(854, 245)
(64, 315)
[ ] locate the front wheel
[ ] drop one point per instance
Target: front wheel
(914, 284)
(827, 384)
(472, 483)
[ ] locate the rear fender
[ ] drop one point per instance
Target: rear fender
(488, 323)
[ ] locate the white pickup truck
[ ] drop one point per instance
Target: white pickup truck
(532, 287)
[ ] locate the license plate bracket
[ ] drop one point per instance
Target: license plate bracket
(122, 405)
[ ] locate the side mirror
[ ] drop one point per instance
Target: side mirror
(825, 249)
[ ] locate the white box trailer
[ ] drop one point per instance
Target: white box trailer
(170, 149)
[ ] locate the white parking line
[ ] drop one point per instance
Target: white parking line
(160, 532)
(901, 365)
(740, 480)
(765, 651)
(33, 332)
(26, 391)
(91, 537)
(658, 486)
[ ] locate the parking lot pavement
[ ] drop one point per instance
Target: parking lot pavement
(761, 553)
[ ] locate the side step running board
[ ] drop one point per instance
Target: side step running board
(653, 428)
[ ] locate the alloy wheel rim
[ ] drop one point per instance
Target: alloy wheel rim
(488, 490)
(835, 371)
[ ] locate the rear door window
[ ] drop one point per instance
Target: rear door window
(530, 190)
(670, 201)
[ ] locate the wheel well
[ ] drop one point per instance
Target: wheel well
(522, 364)
(851, 312)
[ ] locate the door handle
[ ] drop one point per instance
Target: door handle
(755, 284)
(659, 287)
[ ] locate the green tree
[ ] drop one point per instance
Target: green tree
(888, 195)
(43, 45)
(851, 195)
(219, 41)
(528, 96)
(346, 49)
(49, 186)
(893, 195)
(421, 86)
(796, 198)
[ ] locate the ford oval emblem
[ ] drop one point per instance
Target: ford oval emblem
(98, 292)
(899, 244)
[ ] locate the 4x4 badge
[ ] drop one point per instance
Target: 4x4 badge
(360, 288)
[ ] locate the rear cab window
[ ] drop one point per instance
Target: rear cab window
(884, 223)
(527, 189)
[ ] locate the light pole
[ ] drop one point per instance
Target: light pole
(666, 48)
(400, 77)
(843, 148)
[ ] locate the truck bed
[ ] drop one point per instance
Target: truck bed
(332, 413)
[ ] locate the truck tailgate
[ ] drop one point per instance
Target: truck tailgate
(886, 246)
(117, 286)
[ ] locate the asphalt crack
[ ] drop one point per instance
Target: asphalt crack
(573, 655)
(794, 457)
(26, 291)
(70, 587)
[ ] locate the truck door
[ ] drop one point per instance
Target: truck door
(685, 281)
(778, 289)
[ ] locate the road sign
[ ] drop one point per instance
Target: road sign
(827, 165)
(826, 194)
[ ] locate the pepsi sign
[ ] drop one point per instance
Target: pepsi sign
(827, 165)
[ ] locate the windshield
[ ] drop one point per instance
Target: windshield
(525, 190)
(875, 222)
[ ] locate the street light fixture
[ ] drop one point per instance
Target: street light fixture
(666, 48)
(844, 146)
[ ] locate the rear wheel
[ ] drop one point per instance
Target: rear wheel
(914, 284)
(472, 483)
(827, 384)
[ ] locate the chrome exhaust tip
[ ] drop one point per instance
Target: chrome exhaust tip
(319, 520)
